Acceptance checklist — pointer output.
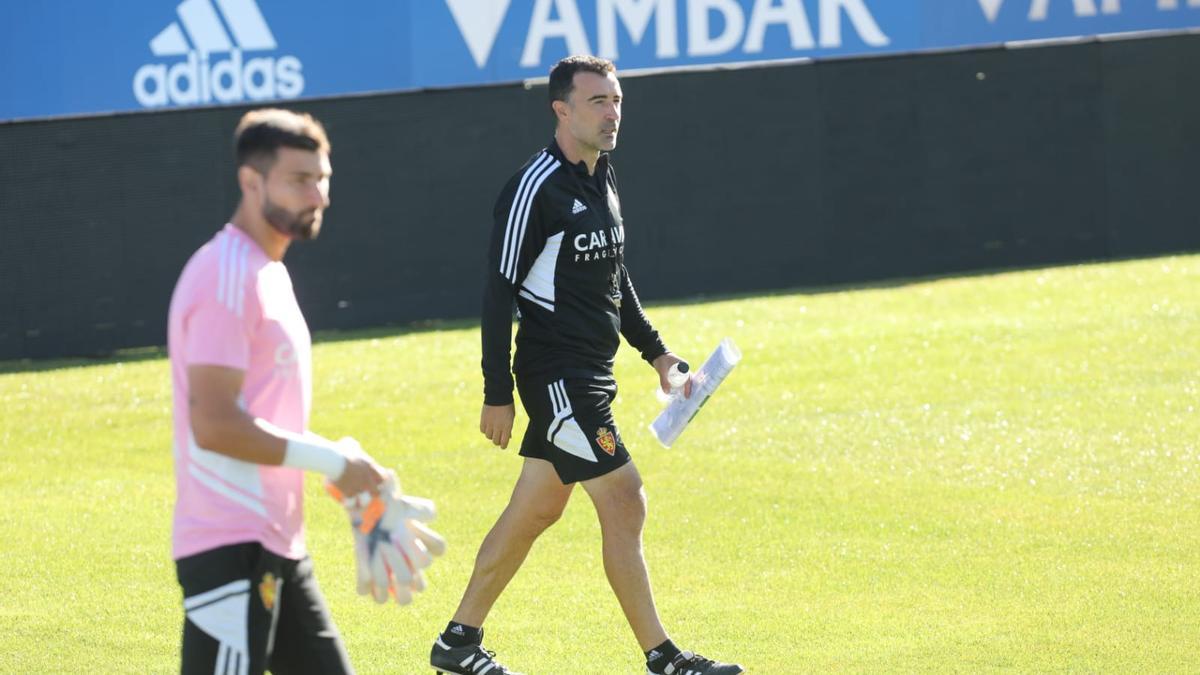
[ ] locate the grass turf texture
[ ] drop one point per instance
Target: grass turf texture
(971, 474)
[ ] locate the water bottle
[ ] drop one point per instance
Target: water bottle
(675, 417)
(677, 376)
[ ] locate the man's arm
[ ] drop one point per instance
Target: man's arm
(518, 234)
(218, 424)
(496, 337)
(498, 412)
(635, 326)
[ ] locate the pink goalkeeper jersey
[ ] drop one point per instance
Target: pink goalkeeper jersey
(234, 307)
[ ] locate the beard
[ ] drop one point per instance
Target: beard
(302, 225)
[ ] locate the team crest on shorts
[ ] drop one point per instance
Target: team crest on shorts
(606, 440)
(267, 590)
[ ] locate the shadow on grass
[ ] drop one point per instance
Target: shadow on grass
(132, 355)
(137, 354)
(898, 282)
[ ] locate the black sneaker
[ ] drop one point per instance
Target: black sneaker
(688, 663)
(467, 660)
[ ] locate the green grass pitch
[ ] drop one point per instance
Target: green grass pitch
(990, 473)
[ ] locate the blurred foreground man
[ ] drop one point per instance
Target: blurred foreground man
(240, 365)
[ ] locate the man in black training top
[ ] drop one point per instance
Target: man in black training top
(557, 250)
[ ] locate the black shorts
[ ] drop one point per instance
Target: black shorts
(247, 610)
(571, 426)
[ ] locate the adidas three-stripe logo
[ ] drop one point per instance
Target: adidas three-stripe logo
(478, 663)
(249, 66)
(670, 670)
(204, 27)
(518, 214)
(564, 431)
(578, 207)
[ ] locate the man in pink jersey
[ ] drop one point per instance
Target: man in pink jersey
(240, 363)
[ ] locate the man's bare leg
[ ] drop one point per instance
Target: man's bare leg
(620, 505)
(537, 502)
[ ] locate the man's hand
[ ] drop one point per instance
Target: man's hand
(662, 364)
(362, 473)
(496, 422)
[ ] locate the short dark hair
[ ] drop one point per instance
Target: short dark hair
(562, 75)
(260, 134)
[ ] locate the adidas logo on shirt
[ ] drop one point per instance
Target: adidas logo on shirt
(202, 33)
(578, 207)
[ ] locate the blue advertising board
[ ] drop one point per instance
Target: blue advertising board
(68, 57)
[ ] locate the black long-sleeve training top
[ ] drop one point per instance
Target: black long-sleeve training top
(558, 249)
